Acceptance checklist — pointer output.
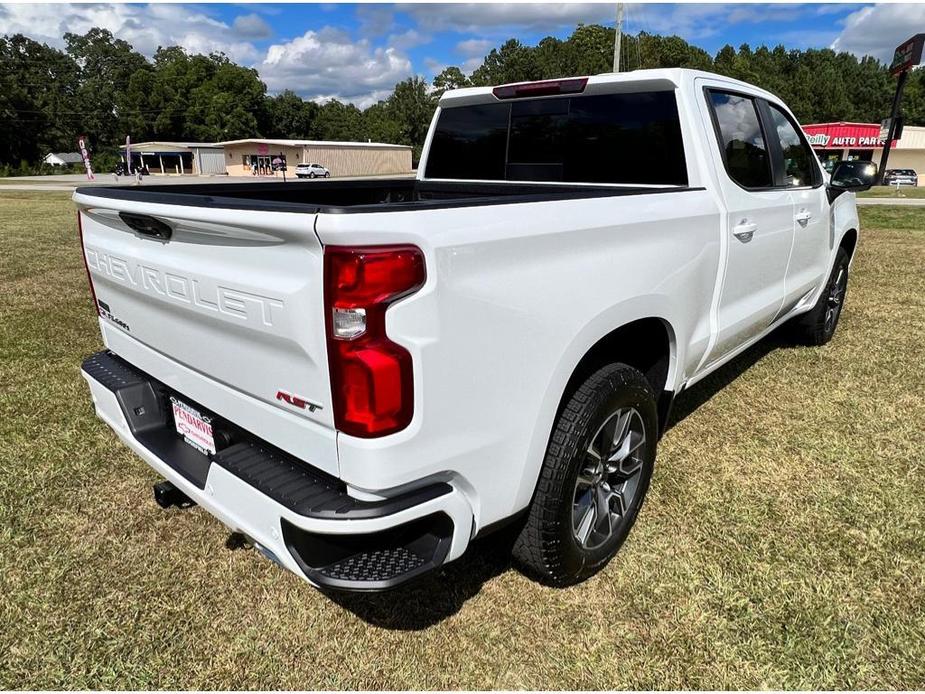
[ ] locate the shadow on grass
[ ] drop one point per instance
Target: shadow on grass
(689, 401)
(441, 594)
(438, 595)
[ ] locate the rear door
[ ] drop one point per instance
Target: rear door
(798, 171)
(759, 221)
(236, 296)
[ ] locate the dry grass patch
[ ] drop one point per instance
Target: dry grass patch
(781, 544)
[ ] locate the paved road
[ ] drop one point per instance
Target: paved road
(904, 202)
(68, 182)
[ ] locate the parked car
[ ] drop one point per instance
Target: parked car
(311, 171)
(363, 378)
(902, 177)
(122, 170)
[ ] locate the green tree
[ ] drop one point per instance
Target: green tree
(380, 125)
(105, 66)
(102, 87)
(512, 62)
(590, 50)
(450, 78)
(228, 105)
(339, 121)
(411, 106)
(200, 98)
(38, 107)
(290, 117)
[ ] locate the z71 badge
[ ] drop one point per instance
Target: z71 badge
(107, 314)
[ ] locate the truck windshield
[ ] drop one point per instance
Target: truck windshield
(608, 138)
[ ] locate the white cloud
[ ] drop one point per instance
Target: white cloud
(471, 17)
(408, 39)
(689, 20)
(878, 29)
(329, 64)
(320, 65)
(434, 66)
(146, 27)
(252, 26)
(703, 20)
(471, 65)
(474, 47)
(375, 20)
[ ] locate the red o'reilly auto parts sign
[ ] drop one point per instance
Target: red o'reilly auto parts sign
(842, 135)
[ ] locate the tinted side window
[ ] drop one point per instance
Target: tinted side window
(798, 157)
(470, 142)
(743, 144)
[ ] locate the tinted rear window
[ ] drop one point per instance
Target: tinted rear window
(610, 138)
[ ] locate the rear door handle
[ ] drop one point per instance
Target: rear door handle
(744, 231)
(803, 217)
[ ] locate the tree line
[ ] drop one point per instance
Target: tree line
(100, 86)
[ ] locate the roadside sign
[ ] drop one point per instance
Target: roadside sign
(885, 128)
(82, 148)
(908, 54)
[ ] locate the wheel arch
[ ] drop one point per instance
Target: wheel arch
(647, 344)
(849, 241)
(632, 343)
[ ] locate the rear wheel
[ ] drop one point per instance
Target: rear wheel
(311, 175)
(818, 325)
(594, 477)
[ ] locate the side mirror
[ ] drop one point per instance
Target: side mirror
(851, 176)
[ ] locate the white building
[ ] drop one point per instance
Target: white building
(196, 158)
(62, 158)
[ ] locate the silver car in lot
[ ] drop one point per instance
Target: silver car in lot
(901, 177)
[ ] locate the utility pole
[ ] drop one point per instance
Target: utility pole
(892, 127)
(617, 38)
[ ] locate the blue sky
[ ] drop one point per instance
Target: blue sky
(358, 52)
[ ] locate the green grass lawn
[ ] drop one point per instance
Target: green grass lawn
(890, 192)
(781, 545)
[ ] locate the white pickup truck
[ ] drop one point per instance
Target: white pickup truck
(363, 376)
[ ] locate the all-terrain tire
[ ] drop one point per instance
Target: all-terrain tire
(547, 546)
(817, 327)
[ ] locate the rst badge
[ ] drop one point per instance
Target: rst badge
(297, 401)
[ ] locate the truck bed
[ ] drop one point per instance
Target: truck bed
(380, 195)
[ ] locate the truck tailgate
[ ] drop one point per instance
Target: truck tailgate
(230, 307)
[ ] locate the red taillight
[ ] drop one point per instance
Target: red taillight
(371, 376)
(83, 255)
(545, 88)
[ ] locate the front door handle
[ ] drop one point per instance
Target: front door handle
(744, 231)
(803, 217)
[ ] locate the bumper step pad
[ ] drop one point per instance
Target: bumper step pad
(371, 561)
(366, 561)
(377, 565)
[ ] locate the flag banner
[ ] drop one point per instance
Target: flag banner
(82, 148)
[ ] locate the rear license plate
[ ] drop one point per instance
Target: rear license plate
(194, 427)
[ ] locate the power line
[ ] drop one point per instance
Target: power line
(87, 113)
